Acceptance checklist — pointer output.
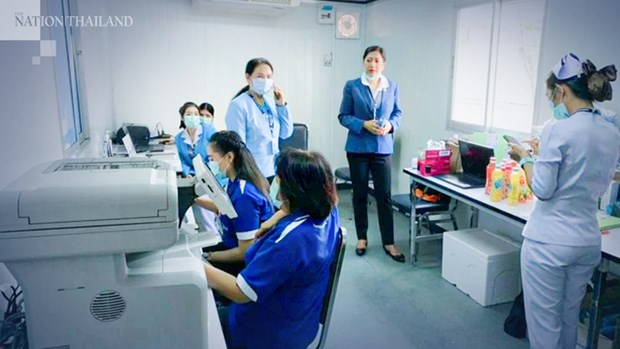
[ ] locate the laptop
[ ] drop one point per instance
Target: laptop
(474, 158)
(123, 149)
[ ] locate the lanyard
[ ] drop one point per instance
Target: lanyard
(265, 110)
(587, 110)
(376, 102)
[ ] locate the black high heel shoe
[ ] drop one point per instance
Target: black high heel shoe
(360, 251)
(399, 257)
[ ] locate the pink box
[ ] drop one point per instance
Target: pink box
(436, 162)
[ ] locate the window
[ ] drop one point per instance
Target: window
(66, 76)
(497, 50)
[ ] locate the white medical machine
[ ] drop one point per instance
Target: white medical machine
(95, 245)
(208, 184)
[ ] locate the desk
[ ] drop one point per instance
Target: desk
(472, 197)
(519, 214)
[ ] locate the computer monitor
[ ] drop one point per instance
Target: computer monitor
(209, 184)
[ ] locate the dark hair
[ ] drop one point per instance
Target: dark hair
(373, 48)
(208, 107)
(183, 109)
(244, 164)
(591, 85)
(306, 182)
(249, 69)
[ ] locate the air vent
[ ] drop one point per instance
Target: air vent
(108, 306)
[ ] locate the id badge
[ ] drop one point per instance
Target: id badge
(274, 146)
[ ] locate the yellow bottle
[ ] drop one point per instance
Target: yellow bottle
(514, 188)
(497, 187)
(524, 189)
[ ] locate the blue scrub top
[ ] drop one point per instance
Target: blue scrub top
(260, 128)
(286, 277)
(187, 151)
(252, 207)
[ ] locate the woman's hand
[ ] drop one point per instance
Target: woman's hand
(372, 127)
(534, 143)
(277, 92)
(517, 152)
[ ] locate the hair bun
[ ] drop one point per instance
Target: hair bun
(599, 80)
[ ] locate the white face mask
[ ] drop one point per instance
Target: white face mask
(262, 86)
(371, 78)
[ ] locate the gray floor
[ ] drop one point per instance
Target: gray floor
(381, 303)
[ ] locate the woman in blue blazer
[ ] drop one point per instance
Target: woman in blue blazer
(370, 109)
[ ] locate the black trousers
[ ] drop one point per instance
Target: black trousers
(380, 166)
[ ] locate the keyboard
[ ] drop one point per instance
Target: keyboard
(464, 180)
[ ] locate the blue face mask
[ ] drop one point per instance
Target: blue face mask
(274, 190)
(206, 121)
(191, 121)
(220, 175)
(559, 111)
(262, 86)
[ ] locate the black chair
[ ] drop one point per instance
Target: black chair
(343, 180)
(330, 295)
(298, 140)
(428, 214)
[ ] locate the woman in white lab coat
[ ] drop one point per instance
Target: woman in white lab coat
(575, 164)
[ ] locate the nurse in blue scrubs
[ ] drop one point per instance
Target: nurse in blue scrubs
(194, 137)
(193, 140)
(249, 193)
(260, 114)
(279, 294)
(576, 161)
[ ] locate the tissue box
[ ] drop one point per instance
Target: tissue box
(435, 163)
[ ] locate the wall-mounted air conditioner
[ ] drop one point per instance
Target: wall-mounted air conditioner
(268, 8)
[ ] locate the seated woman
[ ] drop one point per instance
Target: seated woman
(193, 140)
(207, 113)
(194, 137)
(249, 193)
(279, 294)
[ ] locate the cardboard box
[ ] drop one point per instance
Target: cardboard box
(435, 163)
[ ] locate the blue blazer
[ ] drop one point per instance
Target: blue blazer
(357, 107)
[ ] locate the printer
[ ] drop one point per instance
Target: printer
(95, 245)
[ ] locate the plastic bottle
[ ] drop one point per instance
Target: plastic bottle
(514, 188)
(106, 145)
(523, 188)
(490, 169)
(497, 185)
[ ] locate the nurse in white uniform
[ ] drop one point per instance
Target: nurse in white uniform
(562, 242)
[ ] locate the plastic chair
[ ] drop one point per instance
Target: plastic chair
(330, 295)
(298, 140)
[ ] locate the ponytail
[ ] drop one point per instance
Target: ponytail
(244, 163)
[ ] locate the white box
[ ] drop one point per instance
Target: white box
(482, 264)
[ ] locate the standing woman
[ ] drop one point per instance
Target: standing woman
(370, 109)
(259, 116)
(576, 162)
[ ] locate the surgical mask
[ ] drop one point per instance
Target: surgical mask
(206, 121)
(220, 175)
(191, 121)
(262, 85)
(274, 190)
(559, 111)
(371, 78)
